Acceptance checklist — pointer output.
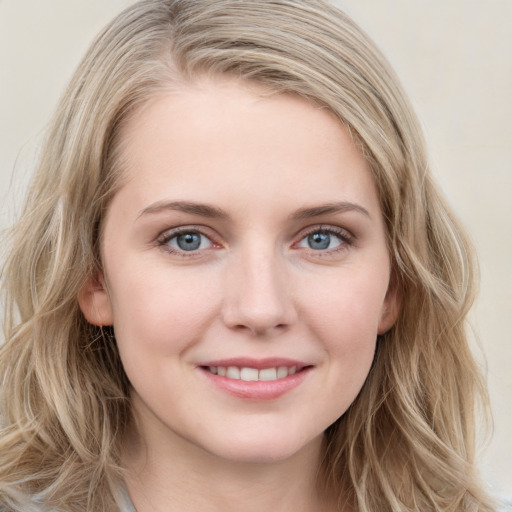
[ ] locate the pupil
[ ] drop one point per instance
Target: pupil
(319, 241)
(189, 241)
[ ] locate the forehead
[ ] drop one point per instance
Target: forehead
(217, 134)
(209, 102)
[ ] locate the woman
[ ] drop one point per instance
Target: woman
(237, 285)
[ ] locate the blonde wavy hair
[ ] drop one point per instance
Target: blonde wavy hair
(407, 441)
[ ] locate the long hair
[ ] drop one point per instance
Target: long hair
(407, 441)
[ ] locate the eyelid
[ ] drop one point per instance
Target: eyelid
(163, 239)
(346, 237)
(326, 228)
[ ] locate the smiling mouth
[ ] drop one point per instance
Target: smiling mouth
(248, 374)
(256, 380)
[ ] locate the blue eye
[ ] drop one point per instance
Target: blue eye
(188, 241)
(321, 240)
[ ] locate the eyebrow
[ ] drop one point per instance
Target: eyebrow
(329, 209)
(213, 212)
(203, 210)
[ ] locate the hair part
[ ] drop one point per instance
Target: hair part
(407, 442)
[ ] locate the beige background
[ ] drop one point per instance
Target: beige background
(455, 59)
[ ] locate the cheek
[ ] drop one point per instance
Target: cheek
(160, 312)
(350, 304)
(344, 319)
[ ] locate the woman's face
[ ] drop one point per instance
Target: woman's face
(245, 270)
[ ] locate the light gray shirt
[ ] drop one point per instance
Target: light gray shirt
(127, 505)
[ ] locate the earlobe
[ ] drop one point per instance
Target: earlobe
(390, 309)
(94, 301)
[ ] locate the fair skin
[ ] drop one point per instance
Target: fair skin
(246, 242)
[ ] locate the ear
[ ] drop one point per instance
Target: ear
(94, 301)
(390, 308)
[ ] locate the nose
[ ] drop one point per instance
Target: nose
(258, 296)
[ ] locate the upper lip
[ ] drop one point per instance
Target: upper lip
(259, 364)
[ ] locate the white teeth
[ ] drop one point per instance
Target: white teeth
(249, 374)
(282, 372)
(252, 374)
(268, 374)
(233, 373)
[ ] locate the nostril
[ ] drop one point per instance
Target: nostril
(257, 306)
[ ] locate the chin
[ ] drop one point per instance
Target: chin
(265, 449)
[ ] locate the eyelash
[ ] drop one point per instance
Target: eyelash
(345, 237)
(165, 238)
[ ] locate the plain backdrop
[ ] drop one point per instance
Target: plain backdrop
(455, 60)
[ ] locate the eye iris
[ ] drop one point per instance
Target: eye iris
(189, 241)
(319, 241)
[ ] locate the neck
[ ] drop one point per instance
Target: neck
(177, 475)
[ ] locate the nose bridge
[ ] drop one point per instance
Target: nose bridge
(257, 294)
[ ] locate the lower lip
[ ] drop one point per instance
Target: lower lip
(259, 389)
